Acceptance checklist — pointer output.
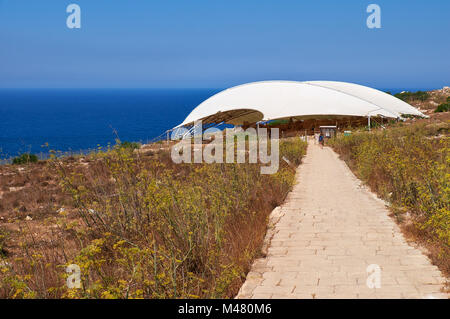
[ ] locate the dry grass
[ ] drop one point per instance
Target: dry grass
(138, 225)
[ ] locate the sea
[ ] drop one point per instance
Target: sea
(73, 121)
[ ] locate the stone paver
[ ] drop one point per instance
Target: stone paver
(328, 232)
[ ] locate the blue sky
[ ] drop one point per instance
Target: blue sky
(212, 43)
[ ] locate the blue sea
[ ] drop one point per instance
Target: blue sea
(78, 120)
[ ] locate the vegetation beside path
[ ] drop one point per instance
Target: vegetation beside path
(409, 166)
(137, 225)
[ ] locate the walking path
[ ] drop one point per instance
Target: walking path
(330, 230)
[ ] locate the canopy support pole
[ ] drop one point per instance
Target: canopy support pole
(368, 121)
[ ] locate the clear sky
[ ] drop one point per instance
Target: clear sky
(220, 43)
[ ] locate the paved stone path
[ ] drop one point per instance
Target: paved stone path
(330, 230)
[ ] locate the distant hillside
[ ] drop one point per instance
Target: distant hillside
(428, 101)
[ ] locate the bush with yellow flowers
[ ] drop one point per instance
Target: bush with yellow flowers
(149, 228)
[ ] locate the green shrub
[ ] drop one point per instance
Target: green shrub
(408, 96)
(130, 145)
(2, 244)
(25, 159)
(444, 107)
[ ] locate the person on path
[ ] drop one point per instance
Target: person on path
(321, 140)
(316, 138)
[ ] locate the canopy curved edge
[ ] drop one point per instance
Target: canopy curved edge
(283, 99)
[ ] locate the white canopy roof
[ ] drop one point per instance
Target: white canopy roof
(269, 100)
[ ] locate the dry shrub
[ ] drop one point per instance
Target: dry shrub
(149, 228)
